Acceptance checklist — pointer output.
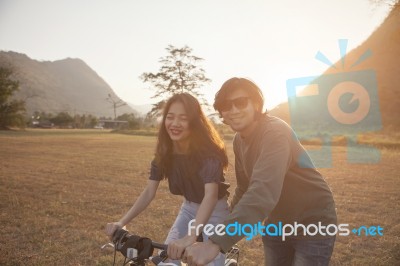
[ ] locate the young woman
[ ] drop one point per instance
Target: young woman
(191, 156)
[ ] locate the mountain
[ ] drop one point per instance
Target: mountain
(67, 85)
(142, 109)
(378, 72)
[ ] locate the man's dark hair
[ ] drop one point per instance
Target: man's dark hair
(232, 84)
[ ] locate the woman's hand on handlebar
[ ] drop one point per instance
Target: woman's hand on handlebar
(111, 228)
(177, 247)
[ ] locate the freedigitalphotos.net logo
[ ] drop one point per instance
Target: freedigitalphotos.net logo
(344, 103)
(249, 231)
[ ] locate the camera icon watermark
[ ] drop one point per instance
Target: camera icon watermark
(345, 104)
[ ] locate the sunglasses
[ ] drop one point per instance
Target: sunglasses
(240, 103)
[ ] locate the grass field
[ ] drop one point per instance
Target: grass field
(58, 189)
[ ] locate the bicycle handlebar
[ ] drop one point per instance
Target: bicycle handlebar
(159, 246)
(125, 243)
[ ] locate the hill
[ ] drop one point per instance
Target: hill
(67, 85)
(384, 69)
(142, 109)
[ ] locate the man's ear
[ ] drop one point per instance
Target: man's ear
(257, 107)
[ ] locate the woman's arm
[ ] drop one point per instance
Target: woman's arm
(176, 248)
(140, 204)
(207, 206)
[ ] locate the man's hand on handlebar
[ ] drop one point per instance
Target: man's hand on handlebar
(177, 247)
(200, 253)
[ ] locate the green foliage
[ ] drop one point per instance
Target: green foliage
(63, 119)
(42, 116)
(11, 110)
(179, 72)
(133, 121)
(392, 3)
(85, 121)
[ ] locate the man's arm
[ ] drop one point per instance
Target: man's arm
(242, 184)
(264, 189)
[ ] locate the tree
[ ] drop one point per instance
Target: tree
(90, 121)
(116, 103)
(133, 121)
(11, 110)
(179, 72)
(392, 3)
(41, 119)
(63, 119)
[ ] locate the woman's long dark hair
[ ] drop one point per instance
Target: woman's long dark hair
(204, 140)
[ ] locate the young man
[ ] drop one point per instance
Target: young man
(277, 184)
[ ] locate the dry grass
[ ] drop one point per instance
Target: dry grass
(59, 188)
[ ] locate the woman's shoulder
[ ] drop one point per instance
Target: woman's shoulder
(207, 160)
(211, 159)
(211, 168)
(195, 159)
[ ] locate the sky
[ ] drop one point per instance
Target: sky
(266, 41)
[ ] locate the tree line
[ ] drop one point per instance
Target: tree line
(66, 120)
(12, 111)
(180, 71)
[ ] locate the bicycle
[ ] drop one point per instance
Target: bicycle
(138, 250)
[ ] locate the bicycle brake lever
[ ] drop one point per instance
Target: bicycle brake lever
(108, 245)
